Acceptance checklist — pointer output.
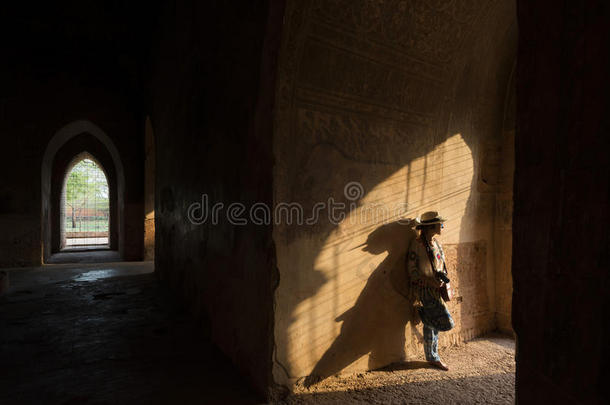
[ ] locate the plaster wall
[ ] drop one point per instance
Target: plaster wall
(391, 108)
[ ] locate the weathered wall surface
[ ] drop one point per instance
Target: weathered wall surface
(407, 100)
(503, 233)
(212, 96)
(560, 230)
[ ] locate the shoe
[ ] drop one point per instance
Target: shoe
(439, 364)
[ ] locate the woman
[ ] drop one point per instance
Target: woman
(425, 283)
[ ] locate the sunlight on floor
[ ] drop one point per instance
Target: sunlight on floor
(481, 369)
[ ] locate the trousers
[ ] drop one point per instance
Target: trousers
(436, 318)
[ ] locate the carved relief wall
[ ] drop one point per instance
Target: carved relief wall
(403, 101)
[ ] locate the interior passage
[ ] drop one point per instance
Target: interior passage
(121, 122)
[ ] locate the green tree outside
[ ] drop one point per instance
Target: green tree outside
(87, 193)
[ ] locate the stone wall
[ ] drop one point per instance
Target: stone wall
(211, 110)
(391, 108)
(503, 232)
(560, 229)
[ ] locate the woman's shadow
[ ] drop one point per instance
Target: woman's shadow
(376, 323)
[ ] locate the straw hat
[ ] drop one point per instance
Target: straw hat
(429, 218)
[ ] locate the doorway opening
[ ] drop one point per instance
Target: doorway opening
(85, 205)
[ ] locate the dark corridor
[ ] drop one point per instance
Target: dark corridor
(494, 112)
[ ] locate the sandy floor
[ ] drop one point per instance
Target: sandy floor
(481, 372)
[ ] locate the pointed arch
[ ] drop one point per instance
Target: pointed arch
(61, 138)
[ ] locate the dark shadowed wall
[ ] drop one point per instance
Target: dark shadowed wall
(149, 191)
(560, 231)
(212, 95)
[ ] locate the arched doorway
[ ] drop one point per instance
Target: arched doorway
(65, 150)
(85, 204)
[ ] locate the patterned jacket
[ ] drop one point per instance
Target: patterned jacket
(420, 272)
